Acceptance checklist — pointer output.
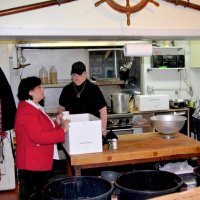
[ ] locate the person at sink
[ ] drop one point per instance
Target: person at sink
(83, 96)
(36, 136)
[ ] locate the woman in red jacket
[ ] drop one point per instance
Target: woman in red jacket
(36, 138)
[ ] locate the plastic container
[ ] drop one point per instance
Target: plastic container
(78, 187)
(145, 184)
(43, 75)
(53, 75)
(197, 174)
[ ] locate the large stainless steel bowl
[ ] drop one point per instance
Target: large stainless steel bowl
(168, 124)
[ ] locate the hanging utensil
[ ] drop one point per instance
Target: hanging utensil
(126, 64)
(21, 60)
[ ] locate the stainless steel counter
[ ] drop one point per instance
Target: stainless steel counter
(147, 126)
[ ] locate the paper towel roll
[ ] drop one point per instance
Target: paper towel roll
(138, 49)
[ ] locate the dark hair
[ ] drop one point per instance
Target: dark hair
(26, 85)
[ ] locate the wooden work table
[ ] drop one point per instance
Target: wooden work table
(137, 148)
(192, 194)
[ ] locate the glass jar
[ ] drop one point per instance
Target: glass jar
(43, 75)
(53, 75)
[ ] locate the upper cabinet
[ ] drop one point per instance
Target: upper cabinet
(195, 54)
(168, 58)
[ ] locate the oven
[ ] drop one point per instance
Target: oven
(120, 123)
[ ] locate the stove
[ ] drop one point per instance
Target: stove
(120, 123)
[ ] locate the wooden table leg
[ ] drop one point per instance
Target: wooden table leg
(77, 171)
(69, 168)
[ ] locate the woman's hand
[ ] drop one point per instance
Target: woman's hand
(59, 119)
(65, 125)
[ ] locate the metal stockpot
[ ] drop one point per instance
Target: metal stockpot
(120, 103)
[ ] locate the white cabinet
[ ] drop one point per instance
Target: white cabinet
(195, 54)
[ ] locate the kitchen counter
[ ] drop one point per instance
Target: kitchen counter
(137, 148)
(185, 111)
(162, 111)
(147, 126)
(141, 119)
(153, 111)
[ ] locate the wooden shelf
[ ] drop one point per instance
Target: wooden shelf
(110, 82)
(160, 69)
(176, 48)
(99, 83)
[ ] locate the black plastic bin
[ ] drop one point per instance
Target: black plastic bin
(78, 187)
(146, 184)
(196, 171)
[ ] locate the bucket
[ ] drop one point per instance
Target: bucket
(146, 184)
(196, 171)
(74, 187)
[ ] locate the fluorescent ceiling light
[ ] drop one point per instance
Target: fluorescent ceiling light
(74, 44)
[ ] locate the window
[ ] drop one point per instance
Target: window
(111, 63)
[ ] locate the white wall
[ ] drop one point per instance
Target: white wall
(62, 59)
(80, 18)
(169, 81)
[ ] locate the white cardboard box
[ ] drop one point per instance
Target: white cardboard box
(152, 102)
(84, 135)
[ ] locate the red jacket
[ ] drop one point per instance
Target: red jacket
(35, 138)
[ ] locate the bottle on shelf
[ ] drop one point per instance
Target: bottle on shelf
(53, 75)
(43, 75)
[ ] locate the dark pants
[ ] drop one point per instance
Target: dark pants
(31, 184)
(196, 128)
